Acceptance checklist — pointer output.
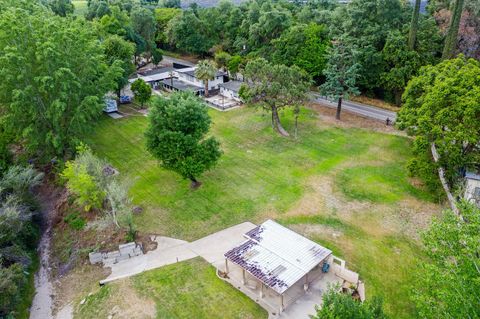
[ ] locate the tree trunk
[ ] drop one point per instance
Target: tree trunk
(194, 183)
(276, 122)
(451, 39)
(412, 36)
(206, 88)
(339, 108)
(398, 97)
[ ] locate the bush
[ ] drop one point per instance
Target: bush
(18, 238)
(83, 185)
(75, 221)
(13, 279)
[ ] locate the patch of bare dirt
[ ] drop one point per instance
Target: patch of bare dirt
(79, 281)
(410, 217)
(125, 303)
(312, 230)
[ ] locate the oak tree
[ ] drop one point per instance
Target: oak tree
(176, 136)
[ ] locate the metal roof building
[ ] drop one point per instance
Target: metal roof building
(277, 256)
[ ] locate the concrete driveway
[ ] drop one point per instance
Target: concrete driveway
(171, 250)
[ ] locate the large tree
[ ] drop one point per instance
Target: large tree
(120, 51)
(447, 284)
(341, 73)
(188, 33)
(304, 46)
(144, 25)
(274, 87)
(60, 7)
(54, 78)
(441, 107)
(205, 71)
(176, 136)
(412, 36)
(402, 64)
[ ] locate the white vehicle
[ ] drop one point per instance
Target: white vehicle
(110, 106)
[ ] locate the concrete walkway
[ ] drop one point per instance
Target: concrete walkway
(171, 250)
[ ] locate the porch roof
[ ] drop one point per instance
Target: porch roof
(277, 256)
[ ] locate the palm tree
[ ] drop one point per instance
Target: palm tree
(205, 71)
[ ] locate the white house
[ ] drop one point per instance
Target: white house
(472, 188)
(188, 75)
(230, 90)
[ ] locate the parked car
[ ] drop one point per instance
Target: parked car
(125, 99)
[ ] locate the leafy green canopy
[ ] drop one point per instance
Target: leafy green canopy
(341, 72)
(176, 135)
(142, 91)
(304, 46)
(441, 106)
(448, 283)
(54, 77)
(342, 306)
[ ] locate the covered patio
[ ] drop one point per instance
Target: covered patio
(283, 271)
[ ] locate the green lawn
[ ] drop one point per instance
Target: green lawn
(348, 182)
(188, 289)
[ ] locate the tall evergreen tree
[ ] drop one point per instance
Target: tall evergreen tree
(412, 36)
(451, 39)
(341, 73)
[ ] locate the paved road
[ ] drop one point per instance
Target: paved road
(358, 108)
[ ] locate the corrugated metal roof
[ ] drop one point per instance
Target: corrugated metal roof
(277, 256)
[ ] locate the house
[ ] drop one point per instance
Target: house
(188, 75)
(174, 84)
(230, 90)
(472, 187)
(276, 267)
(155, 77)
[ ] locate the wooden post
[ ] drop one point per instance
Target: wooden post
(281, 304)
(226, 266)
(244, 280)
(305, 286)
(261, 290)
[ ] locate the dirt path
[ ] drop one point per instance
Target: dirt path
(42, 304)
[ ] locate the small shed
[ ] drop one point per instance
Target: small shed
(472, 187)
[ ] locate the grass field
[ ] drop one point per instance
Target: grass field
(346, 188)
(189, 289)
(80, 7)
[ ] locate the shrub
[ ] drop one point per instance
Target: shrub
(75, 221)
(83, 185)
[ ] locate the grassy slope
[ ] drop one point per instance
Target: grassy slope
(263, 175)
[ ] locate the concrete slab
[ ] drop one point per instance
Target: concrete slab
(115, 115)
(212, 247)
(169, 251)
